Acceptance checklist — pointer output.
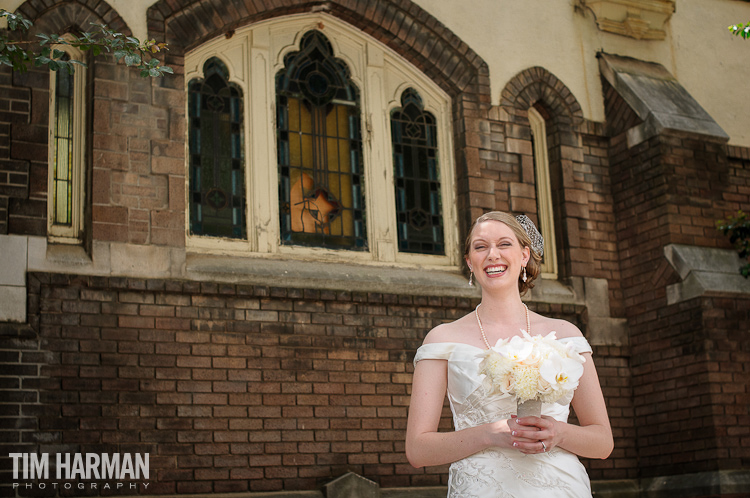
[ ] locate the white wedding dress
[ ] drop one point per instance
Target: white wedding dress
(500, 472)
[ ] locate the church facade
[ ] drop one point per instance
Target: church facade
(230, 268)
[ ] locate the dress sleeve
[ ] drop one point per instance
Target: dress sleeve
(434, 351)
(580, 344)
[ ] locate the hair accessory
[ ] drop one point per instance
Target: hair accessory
(524, 277)
(471, 279)
(537, 241)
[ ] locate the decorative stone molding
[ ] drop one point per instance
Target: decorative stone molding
(704, 271)
(639, 19)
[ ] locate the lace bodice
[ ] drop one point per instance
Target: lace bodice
(500, 472)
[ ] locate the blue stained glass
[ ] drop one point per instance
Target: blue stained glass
(217, 185)
(416, 177)
(236, 110)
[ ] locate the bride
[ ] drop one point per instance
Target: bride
(492, 452)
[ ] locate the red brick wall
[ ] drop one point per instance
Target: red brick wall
(613, 367)
(138, 193)
(671, 189)
(693, 414)
(234, 388)
(23, 151)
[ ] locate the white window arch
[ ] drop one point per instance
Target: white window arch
(254, 56)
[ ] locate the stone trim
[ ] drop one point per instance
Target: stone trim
(698, 485)
(639, 19)
(704, 271)
(658, 99)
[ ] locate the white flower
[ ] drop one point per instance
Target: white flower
(526, 382)
(561, 373)
(532, 368)
(515, 350)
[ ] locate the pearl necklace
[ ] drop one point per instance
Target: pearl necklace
(481, 329)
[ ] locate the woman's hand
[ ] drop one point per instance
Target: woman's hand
(533, 435)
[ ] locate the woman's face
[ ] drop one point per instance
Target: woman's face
(495, 255)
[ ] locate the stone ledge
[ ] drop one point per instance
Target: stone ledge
(329, 276)
(704, 271)
(356, 484)
(698, 485)
(34, 254)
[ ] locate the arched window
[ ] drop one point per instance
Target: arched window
(416, 177)
(321, 198)
(67, 145)
(319, 179)
(216, 155)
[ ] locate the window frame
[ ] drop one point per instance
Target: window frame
(545, 213)
(254, 55)
(56, 233)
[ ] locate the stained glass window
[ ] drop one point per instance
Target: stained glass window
(62, 174)
(319, 144)
(417, 177)
(216, 154)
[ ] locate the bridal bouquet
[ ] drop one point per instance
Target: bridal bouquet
(532, 368)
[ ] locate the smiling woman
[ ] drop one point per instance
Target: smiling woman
(492, 446)
(503, 237)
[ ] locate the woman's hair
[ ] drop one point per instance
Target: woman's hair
(533, 266)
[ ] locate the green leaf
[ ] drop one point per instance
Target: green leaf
(119, 54)
(132, 59)
(154, 73)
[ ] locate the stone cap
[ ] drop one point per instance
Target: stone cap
(658, 98)
(704, 271)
